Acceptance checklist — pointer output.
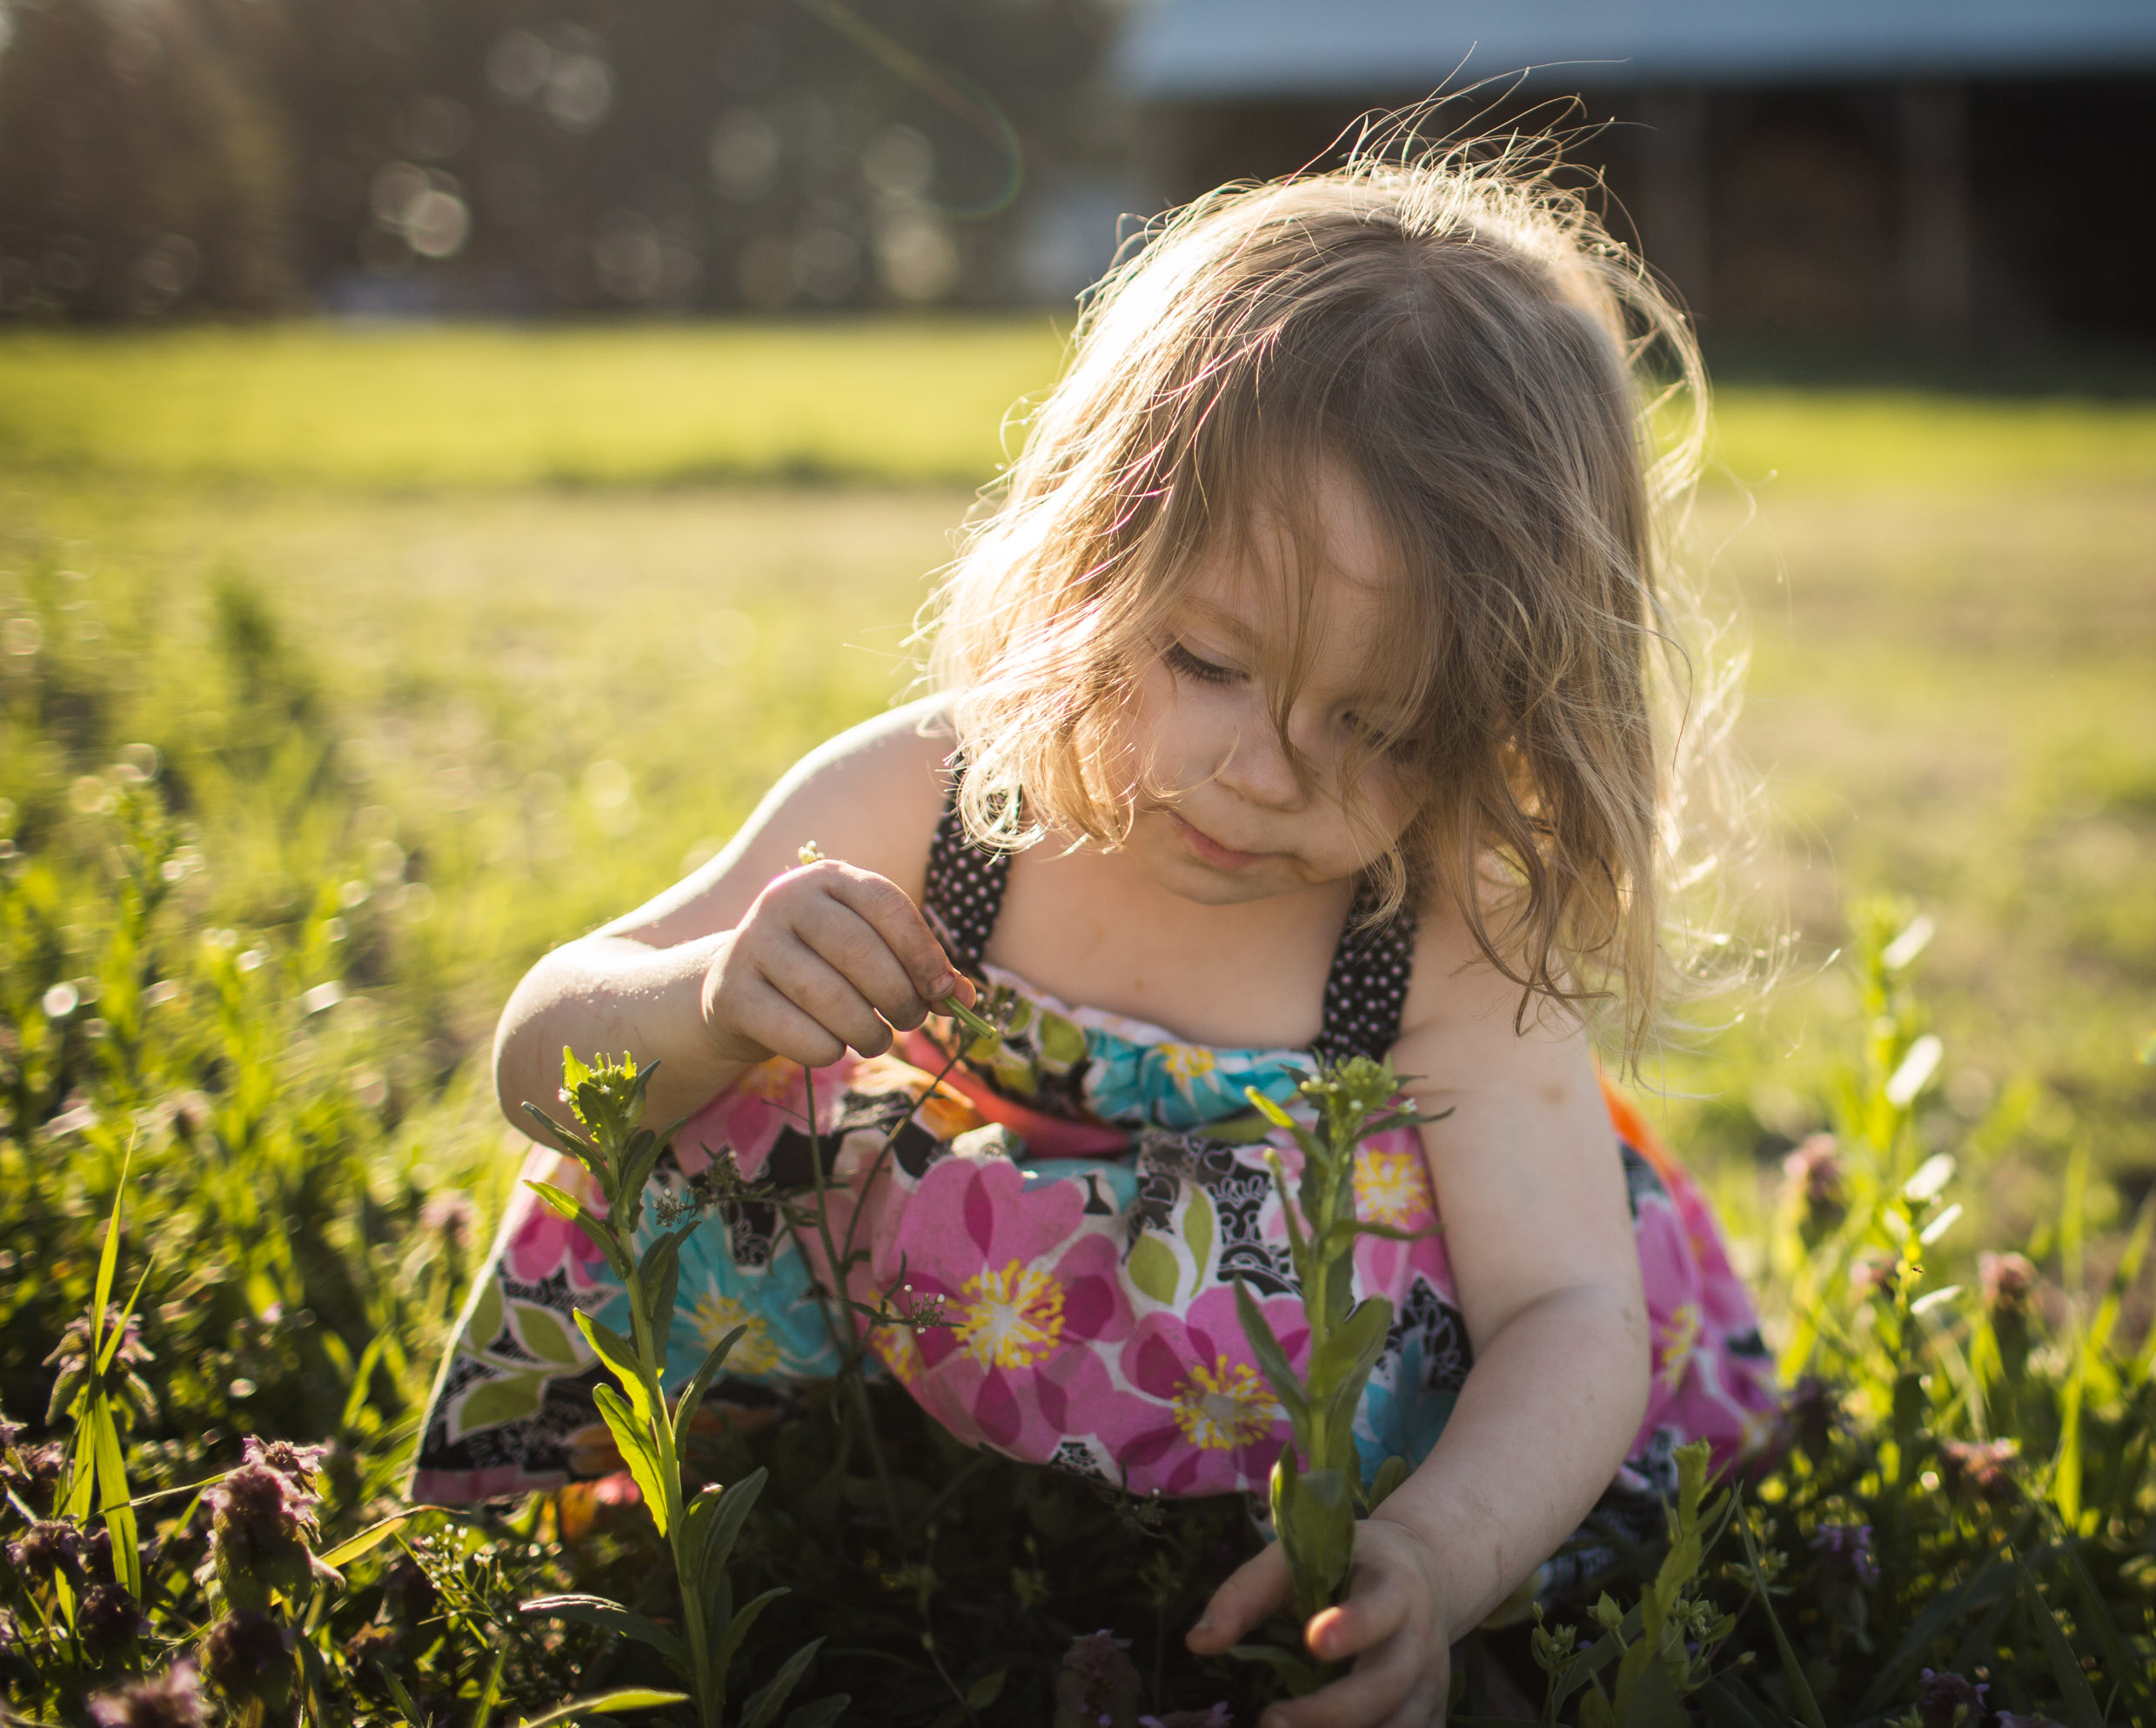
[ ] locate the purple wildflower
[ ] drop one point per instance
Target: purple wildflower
(1949, 1701)
(46, 1547)
(262, 1525)
(1844, 1552)
(2009, 1280)
(172, 1700)
(108, 1620)
(249, 1658)
(1979, 1469)
(1098, 1687)
(1813, 1178)
(76, 1360)
(33, 1471)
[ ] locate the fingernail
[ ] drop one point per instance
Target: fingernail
(943, 987)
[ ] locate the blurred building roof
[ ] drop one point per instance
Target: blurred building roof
(1200, 49)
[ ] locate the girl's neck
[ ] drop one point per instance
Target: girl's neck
(1092, 928)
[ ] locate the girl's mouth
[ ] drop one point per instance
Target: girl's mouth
(1210, 851)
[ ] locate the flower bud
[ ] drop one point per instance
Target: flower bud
(108, 1620)
(1949, 1701)
(172, 1700)
(46, 1548)
(249, 1658)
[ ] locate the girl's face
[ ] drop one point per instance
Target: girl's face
(1227, 818)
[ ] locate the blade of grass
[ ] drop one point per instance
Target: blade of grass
(1792, 1671)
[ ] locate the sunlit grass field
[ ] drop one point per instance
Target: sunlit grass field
(450, 643)
(481, 543)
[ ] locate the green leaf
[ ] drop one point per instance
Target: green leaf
(1300, 1677)
(734, 1505)
(737, 1626)
(600, 1704)
(685, 1411)
(1314, 1513)
(823, 1712)
(636, 1450)
(119, 1515)
(619, 1355)
(1792, 1670)
(988, 1688)
(597, 1610)
(405, 1707)
(1152, 1268)
(1391, 1475)
(109, 1259)
(2075, 1697)
(1197, 1228)
(374, 1536)
(661, 1277)
(763, 1704)
(568, 1206)
(1988, 1585)
(1272, 1362)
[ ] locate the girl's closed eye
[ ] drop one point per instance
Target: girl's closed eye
(1188, 665)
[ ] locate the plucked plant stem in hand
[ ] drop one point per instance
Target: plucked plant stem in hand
(607, 1099)
(1317, 1486)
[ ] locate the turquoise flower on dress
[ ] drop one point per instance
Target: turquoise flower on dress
(1183, 1086)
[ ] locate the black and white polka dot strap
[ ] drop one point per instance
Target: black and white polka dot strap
(1368, 986)
(1364, 993)
(964, 888)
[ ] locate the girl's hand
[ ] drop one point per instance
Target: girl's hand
(1393, 1624)
(829, 956)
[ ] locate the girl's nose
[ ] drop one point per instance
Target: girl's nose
(1258, 767)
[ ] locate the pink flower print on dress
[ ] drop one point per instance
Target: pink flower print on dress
(1203, 1420)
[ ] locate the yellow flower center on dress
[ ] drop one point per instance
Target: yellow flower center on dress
(1186, 1061)
(1224, 1405)
(1011, 1318)
(1676, 1341)
(714, 1316)
(1390, 1188)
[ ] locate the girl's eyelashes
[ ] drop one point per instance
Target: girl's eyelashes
(1182, 661)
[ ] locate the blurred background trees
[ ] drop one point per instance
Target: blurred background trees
(504, 156)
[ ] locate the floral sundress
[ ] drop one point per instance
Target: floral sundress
(1070, 1207)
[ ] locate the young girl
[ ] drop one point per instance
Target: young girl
(1309, 695)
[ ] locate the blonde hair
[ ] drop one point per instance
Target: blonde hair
(1524, 410)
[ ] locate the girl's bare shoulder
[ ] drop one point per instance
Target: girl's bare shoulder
(872, 796)
(1463, 1013)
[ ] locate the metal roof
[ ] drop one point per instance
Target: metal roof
(1200, 49)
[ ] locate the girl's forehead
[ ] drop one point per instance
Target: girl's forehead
(1317, 552)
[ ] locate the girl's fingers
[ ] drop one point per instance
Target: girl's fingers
(883, 905)
(1376, 1606)
(1254, 1591)
(820, 990)
(783, 1029)
(854, 949)
(1382, 1684)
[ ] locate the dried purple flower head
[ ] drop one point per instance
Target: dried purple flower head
(302, 1463)
(1814, 1410)
(11, 1434)
(172, 1700)
(1813, 1176)
(34, 1471)
(1097, 1686)
(449, 1214)
(1949, 1701)
(108, 1620)
(46, 1547)
(1979, 1469)
(2008, 1281)
(76, 1360)
(249, 1657)
(1844, 1552)
(261, 1527)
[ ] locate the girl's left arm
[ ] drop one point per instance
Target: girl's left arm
(1546, 1271)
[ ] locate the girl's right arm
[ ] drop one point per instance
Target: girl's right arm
(756, 954)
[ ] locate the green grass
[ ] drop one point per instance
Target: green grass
(914, 400)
